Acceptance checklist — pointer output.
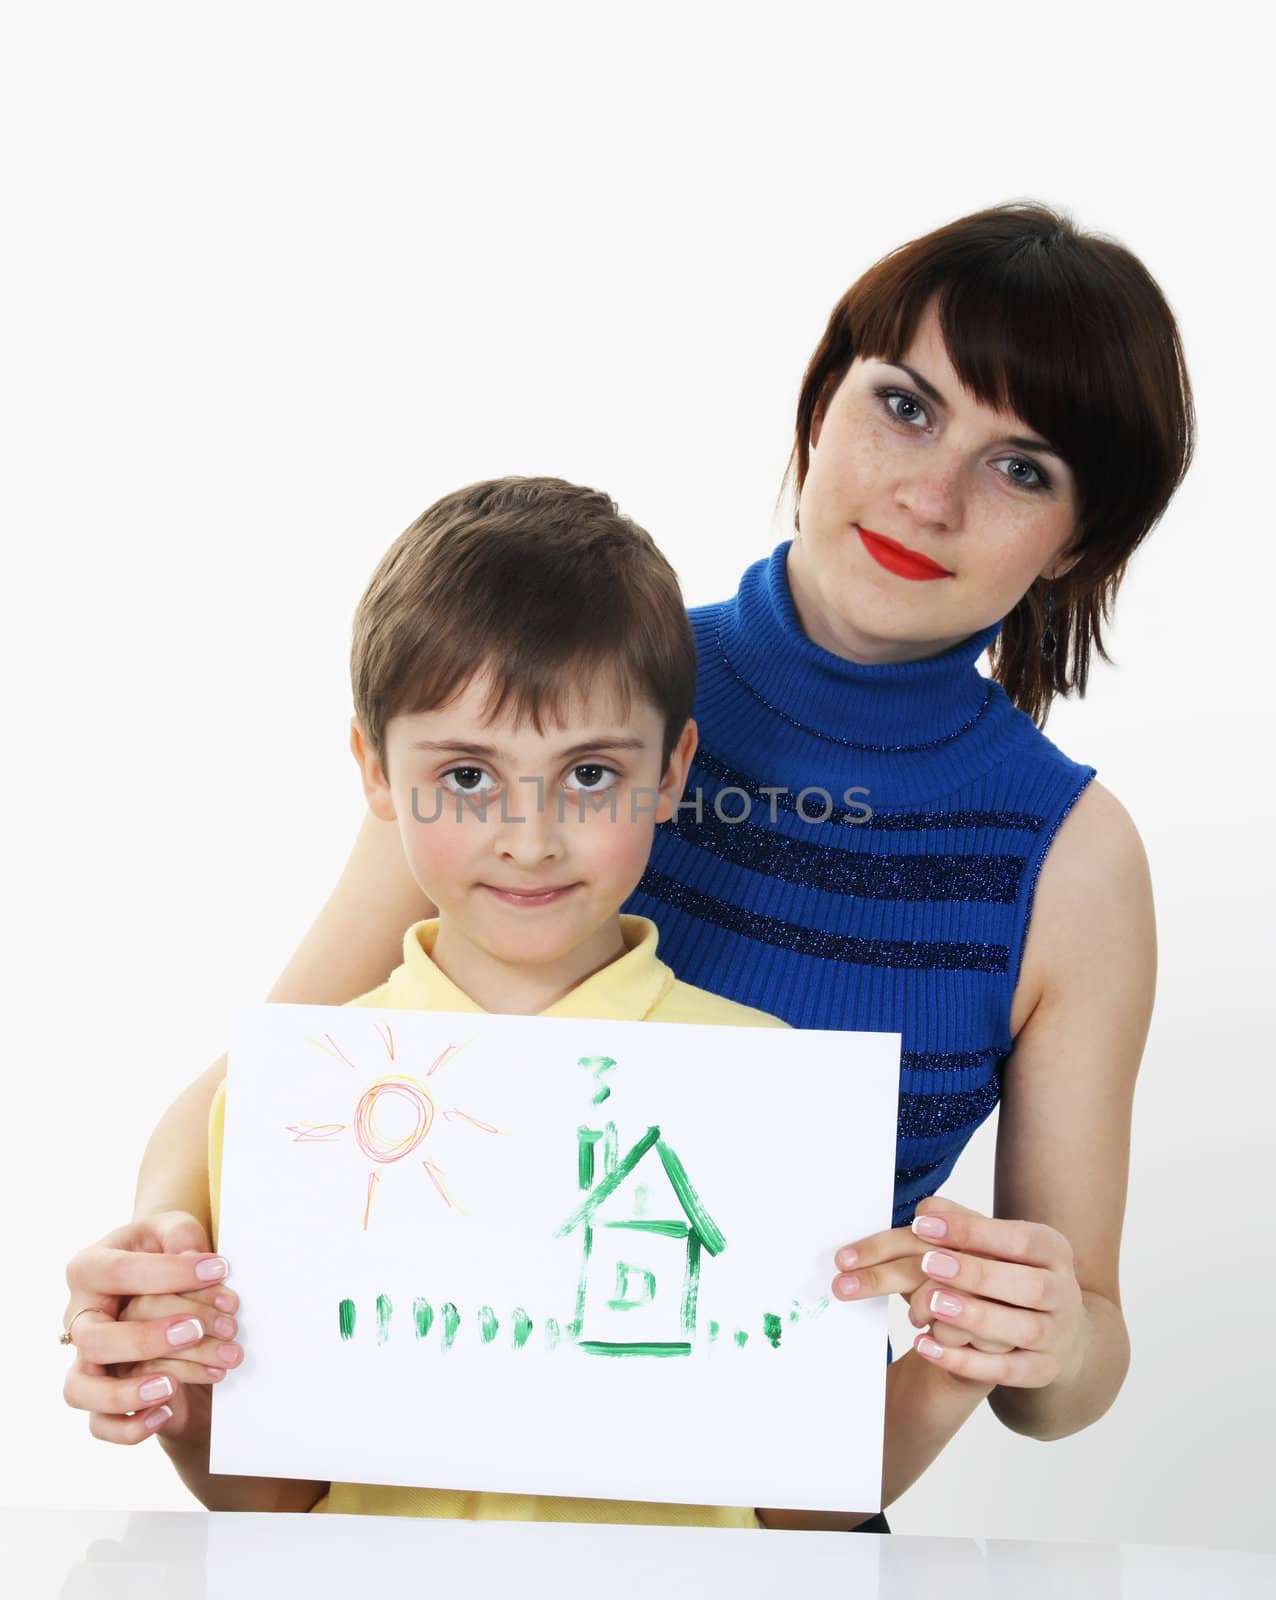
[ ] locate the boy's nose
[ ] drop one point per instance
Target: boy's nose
(531, 851)
(531, 835)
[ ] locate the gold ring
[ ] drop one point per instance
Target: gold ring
(67, 1332)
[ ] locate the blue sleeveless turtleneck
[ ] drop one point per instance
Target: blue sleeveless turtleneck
(912, 921)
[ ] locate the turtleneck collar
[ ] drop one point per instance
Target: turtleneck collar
(893, 706)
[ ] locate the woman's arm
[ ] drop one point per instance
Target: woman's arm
(1063, 1143)
(226, 1492)
(1063, 1135)
(354, 943)
(925, 1407)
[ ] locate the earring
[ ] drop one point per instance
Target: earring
(1049, 641)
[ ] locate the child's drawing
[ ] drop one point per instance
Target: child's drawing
(639, 1280)
(392, 1118)
(634, 1301)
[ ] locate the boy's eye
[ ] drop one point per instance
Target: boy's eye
(593, 775)
(466, 780)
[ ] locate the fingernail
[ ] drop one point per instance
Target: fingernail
(228, 1353)
(157, 1418)
(846, 1286)
(216, 1373)
(948, 1304)
(187, 1332)
(936, 1264)
(155, 1389)
(224, 1302)
(224, 1328)
(211, 1270)
(930, 1227)
(846, 1257)
(930, 1347)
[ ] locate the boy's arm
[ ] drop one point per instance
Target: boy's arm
(354, 942)
(925, 1407)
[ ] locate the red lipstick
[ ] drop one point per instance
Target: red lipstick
(897, 558)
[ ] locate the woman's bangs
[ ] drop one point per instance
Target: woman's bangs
(1022, 346)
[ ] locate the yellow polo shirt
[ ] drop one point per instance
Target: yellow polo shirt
(636, 987)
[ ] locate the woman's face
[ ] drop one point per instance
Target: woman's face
(912, 458)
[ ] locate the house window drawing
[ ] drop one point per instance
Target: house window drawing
(639, 1274)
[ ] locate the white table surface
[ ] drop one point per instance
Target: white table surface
(110, 1555)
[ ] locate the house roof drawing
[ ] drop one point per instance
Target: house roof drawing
(699, 1221)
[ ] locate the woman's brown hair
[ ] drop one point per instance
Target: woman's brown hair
(1070, 331)
(542, 583)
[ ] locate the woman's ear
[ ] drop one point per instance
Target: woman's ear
(376, 789)
(1068, 555)
(831, 385)
(1059, 568)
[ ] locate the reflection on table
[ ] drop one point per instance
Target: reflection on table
(104, 1555)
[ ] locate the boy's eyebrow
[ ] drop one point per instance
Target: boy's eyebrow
(1020, 441)
(490, 751)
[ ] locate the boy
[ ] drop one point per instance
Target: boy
(523, 672)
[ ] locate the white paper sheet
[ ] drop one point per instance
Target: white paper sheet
(440, 1226)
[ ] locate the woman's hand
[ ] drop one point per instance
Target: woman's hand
(1001, 1297)
(151, 1314)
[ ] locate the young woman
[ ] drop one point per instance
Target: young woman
(874, 834)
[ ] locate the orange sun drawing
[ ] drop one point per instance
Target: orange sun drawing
(403, 1102)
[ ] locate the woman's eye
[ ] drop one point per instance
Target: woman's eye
(1036, 478)
(594, 773)
(911, 406)
(466, 780)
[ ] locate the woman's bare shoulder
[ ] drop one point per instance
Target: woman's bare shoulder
(1098, 834)
(1093, 901)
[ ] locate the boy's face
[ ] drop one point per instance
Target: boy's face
(527, 842)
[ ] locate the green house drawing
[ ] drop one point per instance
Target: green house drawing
(639, 1275)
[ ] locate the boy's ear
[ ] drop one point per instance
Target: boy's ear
(375, 787)
(675, 778)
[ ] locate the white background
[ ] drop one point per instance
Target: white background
(278, 276)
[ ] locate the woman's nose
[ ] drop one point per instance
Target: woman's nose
(933, 492)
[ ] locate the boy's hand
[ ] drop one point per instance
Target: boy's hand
(146, 1321)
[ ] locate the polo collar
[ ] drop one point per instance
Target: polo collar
(627, 990)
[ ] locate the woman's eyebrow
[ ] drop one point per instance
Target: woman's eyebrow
(1020, 441)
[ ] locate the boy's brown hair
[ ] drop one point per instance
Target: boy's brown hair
(542, 583)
